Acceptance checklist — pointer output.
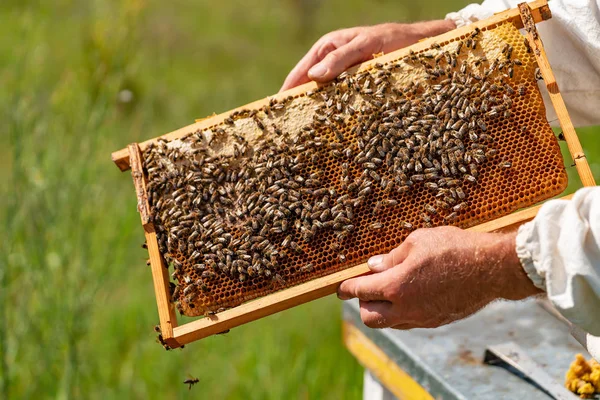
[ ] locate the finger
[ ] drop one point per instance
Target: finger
(299, 73)
(376, 314)
(384, 262)
(357, 50)
(368, 288)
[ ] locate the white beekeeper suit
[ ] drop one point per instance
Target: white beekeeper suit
(560, 248)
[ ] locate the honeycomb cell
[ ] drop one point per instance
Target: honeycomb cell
(318, 182)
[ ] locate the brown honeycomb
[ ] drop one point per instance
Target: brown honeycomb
(524, 140)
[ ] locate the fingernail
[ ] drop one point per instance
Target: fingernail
(375, 261)
(342, 297)
(318, 71)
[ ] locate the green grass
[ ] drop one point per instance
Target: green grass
(76, 298)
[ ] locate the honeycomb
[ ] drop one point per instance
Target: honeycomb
(315, 183)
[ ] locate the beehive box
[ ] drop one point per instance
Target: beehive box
(284, 191)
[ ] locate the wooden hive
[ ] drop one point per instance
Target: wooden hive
(220, 199)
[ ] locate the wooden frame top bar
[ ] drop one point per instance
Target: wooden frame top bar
(539, 11)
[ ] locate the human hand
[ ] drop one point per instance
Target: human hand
(437, 276)
(339, 50)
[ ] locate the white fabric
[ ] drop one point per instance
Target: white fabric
(560, 248)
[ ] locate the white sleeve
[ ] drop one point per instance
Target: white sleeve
(572, 41)
(560, 251)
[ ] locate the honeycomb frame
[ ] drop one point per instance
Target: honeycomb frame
(176, 336)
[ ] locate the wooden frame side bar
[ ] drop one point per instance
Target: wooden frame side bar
(539, 12)
(160, 274)
(535, 42)
(311, 290)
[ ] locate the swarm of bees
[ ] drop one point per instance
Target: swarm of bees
(238, 220)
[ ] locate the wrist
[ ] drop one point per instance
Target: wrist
(401, 35)
(511, 280)
(435, 27)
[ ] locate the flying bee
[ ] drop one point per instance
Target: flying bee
(191, 381)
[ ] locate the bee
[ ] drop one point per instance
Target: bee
(522, 90)
(470, 178)
(426, 218)
(390, 202)
(459, 207)
(375, 226)
(527, 45)
(459, 48)
(430, 209)
(451, 217)
(259, 123)
(279, 280)
(294, 246)
(442, 204)
(509, 89)
(505, 164)
(191, 381)
(481, 125)
(307, 268)
(406, 225)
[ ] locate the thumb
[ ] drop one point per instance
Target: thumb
(383, 262)
(357, 50)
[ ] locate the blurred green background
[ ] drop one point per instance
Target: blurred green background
(80, 79)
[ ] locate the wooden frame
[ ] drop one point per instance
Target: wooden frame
(175, 336)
